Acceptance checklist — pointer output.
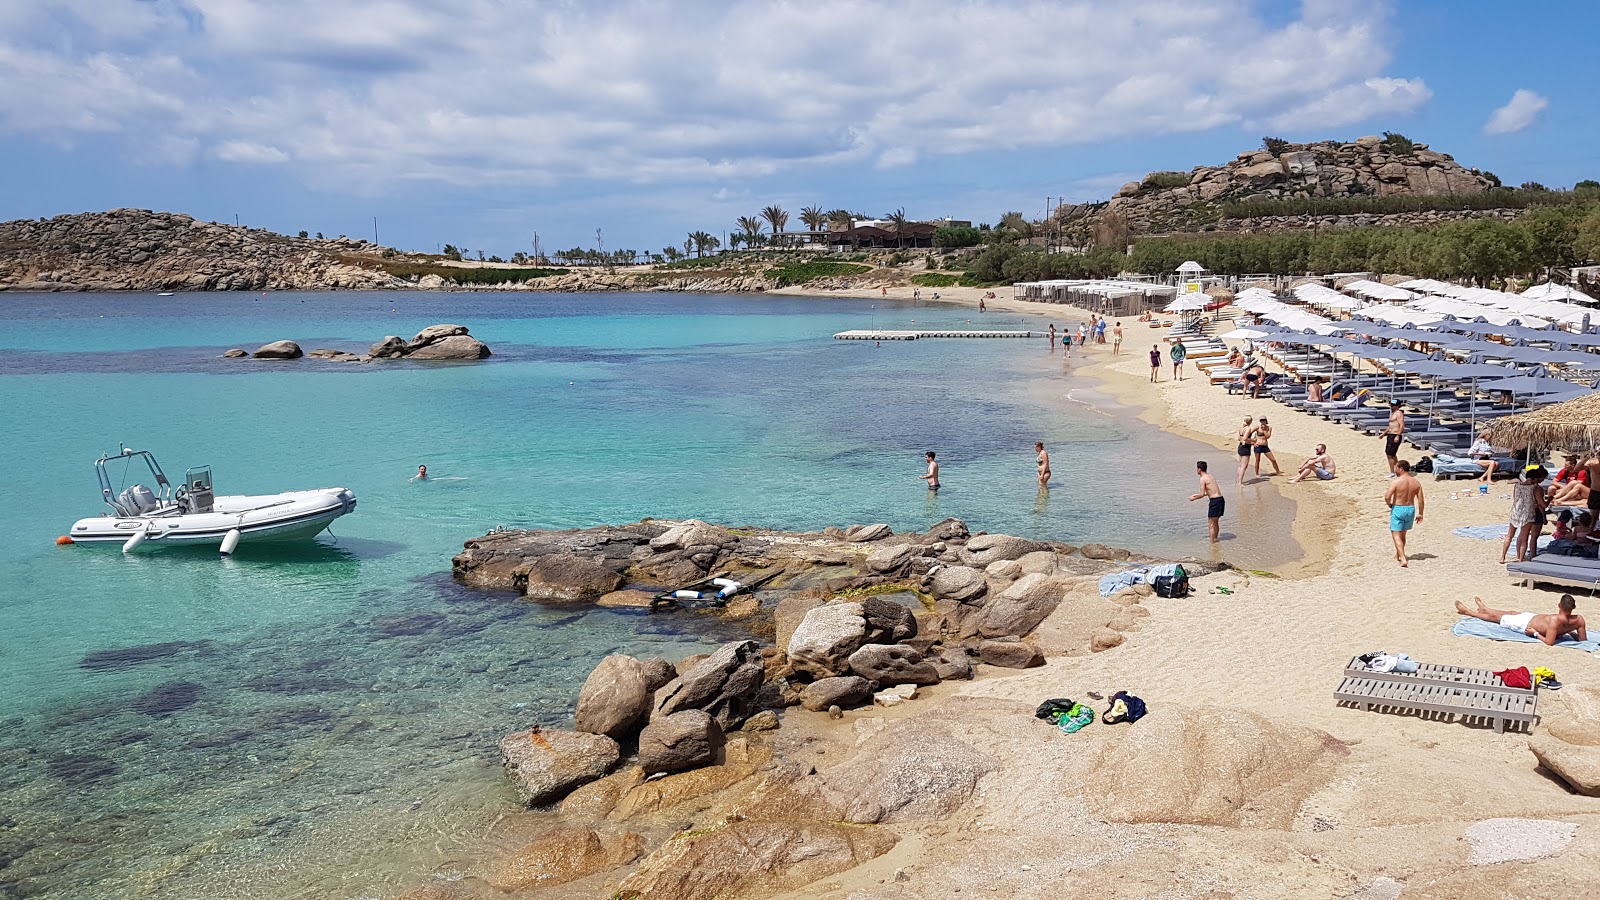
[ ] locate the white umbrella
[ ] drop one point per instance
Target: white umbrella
(1188, 303)
(1251, 334)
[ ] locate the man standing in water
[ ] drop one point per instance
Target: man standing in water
(1044, 464)
(1214, 502)
(1392, 436)
(932, 477)
(1052, 335)
(1405, 508)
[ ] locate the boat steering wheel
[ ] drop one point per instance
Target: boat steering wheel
(181, 498)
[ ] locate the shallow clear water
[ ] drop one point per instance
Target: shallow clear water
(322, 721)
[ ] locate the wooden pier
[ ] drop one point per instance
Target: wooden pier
(918, 335)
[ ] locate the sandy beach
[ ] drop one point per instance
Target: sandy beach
(1392, 816)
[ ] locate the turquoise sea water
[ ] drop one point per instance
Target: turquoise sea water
(321, 722)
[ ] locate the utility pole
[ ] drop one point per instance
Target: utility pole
(236, 220)
(374, 231)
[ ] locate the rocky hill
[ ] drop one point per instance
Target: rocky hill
(1365, 167)
(141, 250)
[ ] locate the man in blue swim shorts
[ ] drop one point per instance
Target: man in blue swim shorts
(1406, 505)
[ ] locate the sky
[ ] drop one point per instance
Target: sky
(482, 122)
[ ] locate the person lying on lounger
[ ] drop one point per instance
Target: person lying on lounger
(1547, 627)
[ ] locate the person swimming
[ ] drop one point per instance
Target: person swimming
(422, 474)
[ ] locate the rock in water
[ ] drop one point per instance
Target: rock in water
(754, 859)
(435, 333)
(1210, 766)
(684, 740)
(1010, 654)
(566, 578)
(167, 698)
(235, 353)
(279, 350)
(889, 664)
(391, 347)
(457, 347)
(545, 765)
(844, 690)
(723, 684)
(822, 643)
(615, 699)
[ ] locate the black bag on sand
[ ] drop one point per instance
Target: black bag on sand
(1174, 585)
(1423, 465)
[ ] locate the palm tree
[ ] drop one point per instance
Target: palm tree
(897, 221)
(750, 227)
(814, 218)
(671, 253)
(690, 245)
(709, 242)
(777, 218)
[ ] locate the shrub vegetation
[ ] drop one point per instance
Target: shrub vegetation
(802, 272)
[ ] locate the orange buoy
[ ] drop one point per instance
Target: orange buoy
(63, 540)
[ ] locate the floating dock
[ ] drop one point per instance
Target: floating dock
(918, 335)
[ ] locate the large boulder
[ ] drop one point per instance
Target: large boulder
(891, 559)
(684, 740)
(545, 765)
(753, 859)
(724, 685)
(952, 662)
(889, 664)
(911, 773)
(860, 534)
(615, 699)
(1196, 766)
(887, 622)
(841, 691)
(435, 333)
(457, 347)
(278, 350)
(988, 548)
(961, 583)
(566, 578)
(951, 529)
(391, 347)
(564, 854)
(791, 611)
(1567, 741)
(822, 643)
(1010, 654)
(1019, 608)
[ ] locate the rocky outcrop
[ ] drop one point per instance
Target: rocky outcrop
(564, 854)
(753, 859)
(1211, 767)
(1567, 739)
(1010, 654)
(1368, 166)
(889, 664)
(443, 342)
(141, 250)
(842, 691)
(545, 765)
(821, 646)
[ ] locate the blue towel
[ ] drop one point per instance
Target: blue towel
(1118, 581)
(1481, 532)
(1479, 628)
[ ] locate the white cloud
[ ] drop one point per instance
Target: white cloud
(247, 152)
(372, 92)
(1518, 113)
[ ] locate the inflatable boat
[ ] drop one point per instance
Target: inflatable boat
(143, 517)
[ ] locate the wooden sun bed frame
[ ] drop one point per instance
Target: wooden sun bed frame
(1440, 689)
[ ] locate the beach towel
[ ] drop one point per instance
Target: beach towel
(1119, 581)
(1478, 628)
(1492, 533)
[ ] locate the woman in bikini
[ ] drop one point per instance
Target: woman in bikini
(1247, 439)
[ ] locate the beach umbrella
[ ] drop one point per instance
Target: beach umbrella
(1251, 334)
(1188, 303)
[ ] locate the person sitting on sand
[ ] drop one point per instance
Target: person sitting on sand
(1320, 464)
(1547, 627)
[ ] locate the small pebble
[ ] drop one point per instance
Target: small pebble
(834, 712)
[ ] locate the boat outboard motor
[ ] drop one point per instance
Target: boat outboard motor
(136, 500)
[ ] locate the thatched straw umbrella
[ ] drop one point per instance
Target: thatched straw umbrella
(1574, 424)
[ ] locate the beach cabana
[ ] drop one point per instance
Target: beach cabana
(1573, 424)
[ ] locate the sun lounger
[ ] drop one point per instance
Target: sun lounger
(1567, 571)
(1436, 672)
(1498, 705)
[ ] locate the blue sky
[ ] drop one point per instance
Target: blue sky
(479, 122)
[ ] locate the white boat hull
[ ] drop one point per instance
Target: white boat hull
(290, 516)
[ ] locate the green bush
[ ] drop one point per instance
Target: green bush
(458, 274)
(1160, 180)
(935, 279)
(1275, 146)
(896, 260)
(802, 272)
(956, 237)
(1494, 198)
(1398, 144)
